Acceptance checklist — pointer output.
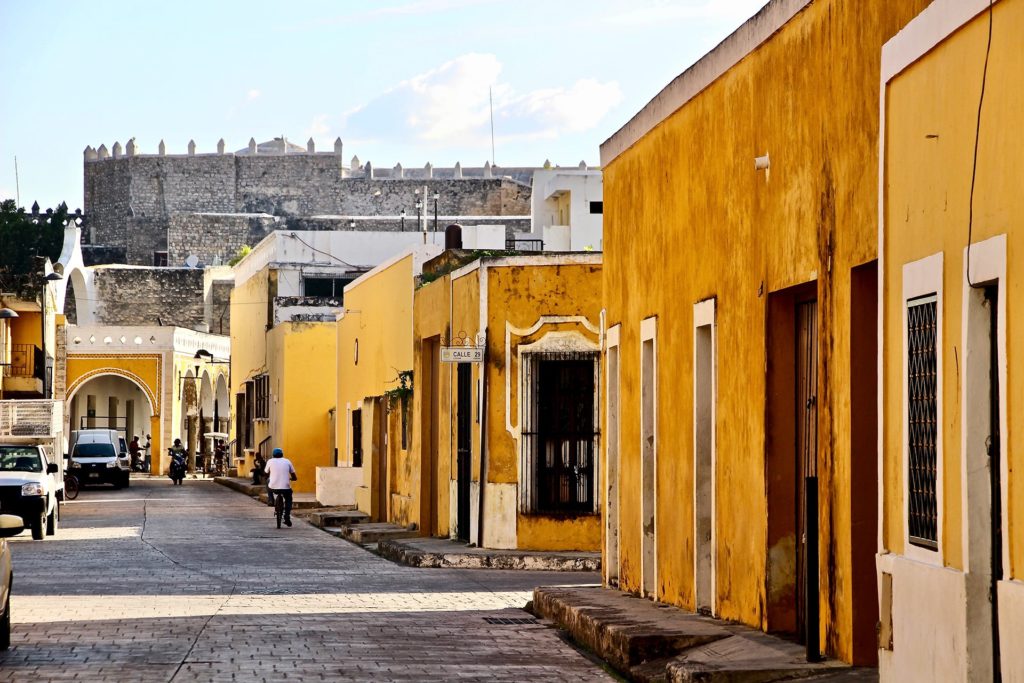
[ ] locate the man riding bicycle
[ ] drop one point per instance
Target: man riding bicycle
(281, 475)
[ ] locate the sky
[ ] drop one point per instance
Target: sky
(407, 81)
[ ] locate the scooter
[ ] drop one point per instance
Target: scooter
(178, 467)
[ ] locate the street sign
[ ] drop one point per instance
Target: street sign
(462, 354)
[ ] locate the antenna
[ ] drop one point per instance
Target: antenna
(17, 183)
(490, 99)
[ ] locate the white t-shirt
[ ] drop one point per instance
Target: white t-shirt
(280, 471)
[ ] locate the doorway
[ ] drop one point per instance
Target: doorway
(704, 391)
(791, 436)
(464, 454)
(648, 457)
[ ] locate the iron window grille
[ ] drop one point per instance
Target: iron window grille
(261, 390)
(922, 422)
(560, 436)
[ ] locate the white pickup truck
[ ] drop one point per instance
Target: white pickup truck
(31, 487)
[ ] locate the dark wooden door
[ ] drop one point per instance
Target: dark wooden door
(464, 447)
(806, 445)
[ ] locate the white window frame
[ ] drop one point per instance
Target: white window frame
(649, 333)
(704, 315)
(923, 278)
(612, 452)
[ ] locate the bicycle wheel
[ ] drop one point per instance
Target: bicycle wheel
(70, 487)
(279, 508)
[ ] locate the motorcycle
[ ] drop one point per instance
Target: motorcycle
(178, 466)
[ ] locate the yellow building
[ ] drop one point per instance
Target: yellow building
(951, 556)
(284, 365)
(374, 413)
(740, 289)
(519, 412)
(167, 382)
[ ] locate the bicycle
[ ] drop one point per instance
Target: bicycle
(279, 508)
(70, 486)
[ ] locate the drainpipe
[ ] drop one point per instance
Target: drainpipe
(483, 447)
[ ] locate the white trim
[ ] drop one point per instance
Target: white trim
(704, 316)
(923, 278)
(610, 565)
(929, 28)
(649, 332)
(511, 329)
(542, 259)
(987, 264)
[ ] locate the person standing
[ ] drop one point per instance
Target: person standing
(136, 450)
(282, 474)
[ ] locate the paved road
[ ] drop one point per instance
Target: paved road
(194, 583)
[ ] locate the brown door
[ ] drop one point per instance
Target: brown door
(806, 411)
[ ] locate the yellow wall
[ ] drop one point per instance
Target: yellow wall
(379, 317)
(926, 212)
(303, 376)
(431, 305)
(249, 356)
(517, 295)
(688, 218)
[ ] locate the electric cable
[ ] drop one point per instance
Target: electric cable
(977, 136)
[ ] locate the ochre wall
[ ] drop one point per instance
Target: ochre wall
(928, 182)
(249, 356)
(303, 387)
(431, 305)
(379, 316)
(688, 218)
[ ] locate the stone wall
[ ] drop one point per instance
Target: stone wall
(215, 238)
(127, 295)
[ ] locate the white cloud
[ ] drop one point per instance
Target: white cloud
(253, 94)
(449, 106)
(6, 193)
(318, 127)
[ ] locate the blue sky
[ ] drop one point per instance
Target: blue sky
(399, 80)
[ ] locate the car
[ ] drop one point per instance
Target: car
(29, 488)
(99, 456)
(10, 525)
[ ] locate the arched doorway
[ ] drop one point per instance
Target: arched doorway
(111, 401)
(190, 417)
(207, 411)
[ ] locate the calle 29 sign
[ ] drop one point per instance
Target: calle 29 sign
(461, 348)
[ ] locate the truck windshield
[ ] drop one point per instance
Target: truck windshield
(93, 450)
(15, 459)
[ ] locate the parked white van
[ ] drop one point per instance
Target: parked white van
(99, 456)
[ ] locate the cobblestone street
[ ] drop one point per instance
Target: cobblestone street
(194, 583)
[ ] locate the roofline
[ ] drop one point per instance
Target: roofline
(705, 71)
(566, 258)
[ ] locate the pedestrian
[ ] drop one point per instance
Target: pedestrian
(136, 450)
(149, 451)
(258, 464)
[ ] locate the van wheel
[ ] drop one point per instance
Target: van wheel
(38, 525)
(5, 625)
(52, 522)
(127, 480)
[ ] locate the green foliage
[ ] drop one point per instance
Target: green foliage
(401, 392)
(242, 253)
(24, 237)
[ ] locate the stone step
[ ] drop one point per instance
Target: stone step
(337, 518)
(374, 532)
(300, 501)
(648, 641)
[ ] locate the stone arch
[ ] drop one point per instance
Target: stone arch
(82, 380)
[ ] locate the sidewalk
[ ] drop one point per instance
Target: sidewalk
(300, 501)
(442, 552)
(648, 641)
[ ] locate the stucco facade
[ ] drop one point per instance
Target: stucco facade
(508, 307)
(739, 279)
(952, 603)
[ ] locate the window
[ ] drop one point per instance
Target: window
(922, 422)
(160, 259)
(330, 287)
(262, 393)
(560, 439)
(250, 401)
(242, 439)
(357, 438)
(597, 207)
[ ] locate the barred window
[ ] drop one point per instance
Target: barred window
(922, 423)
(559, 458)
(262, 397)
(357, 438)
